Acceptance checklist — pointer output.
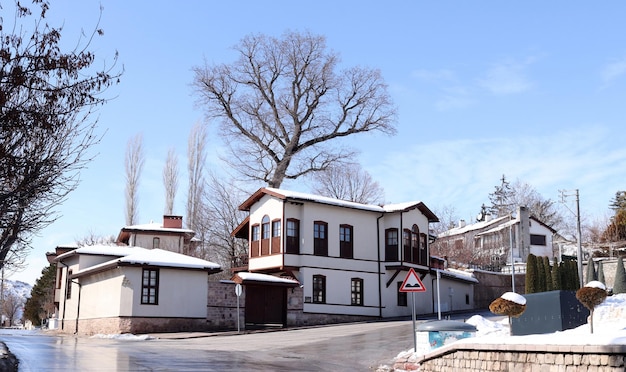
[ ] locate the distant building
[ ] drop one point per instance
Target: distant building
(169, 235)
(487, 244)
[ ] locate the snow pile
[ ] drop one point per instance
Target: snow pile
(124, 336)
(609, 329)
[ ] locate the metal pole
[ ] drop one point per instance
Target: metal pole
(238, 327)
(512, 259)
(580, 249)
(414, 327)
(438, 296)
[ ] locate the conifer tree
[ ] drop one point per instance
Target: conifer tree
(591, 271)
(619, 286)
(40, 304)
(547, 273)
(601, 273)
(531, 274)
(541, 277)
(557, 280)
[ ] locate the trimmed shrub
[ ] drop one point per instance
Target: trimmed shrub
(619, 286)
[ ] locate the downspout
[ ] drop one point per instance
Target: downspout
(80, 287)
(64, 295)
(401, 239)
(380, 285)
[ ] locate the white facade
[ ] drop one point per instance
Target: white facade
(101, 289)
(364, 283)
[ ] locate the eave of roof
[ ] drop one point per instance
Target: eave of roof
(304, 197)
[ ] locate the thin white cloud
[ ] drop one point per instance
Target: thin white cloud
(461, 173)
(507, 78)
(441, 75)
(454, 98)
(613, 71)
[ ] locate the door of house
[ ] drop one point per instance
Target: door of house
(266, 305)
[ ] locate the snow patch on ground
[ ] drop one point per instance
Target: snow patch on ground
(609, 320)
(124, 336)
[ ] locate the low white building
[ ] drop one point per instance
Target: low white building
(349, 258)
(120, 289)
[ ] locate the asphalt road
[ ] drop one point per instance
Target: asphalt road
(347, 347)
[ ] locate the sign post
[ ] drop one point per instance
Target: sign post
(412, 283)
(238, 293)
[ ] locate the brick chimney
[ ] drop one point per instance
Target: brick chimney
(172, 222)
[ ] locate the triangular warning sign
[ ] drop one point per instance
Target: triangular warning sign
(412, 283)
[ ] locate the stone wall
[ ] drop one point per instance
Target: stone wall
(222, 306)
(492, 357)
(135, 325)
(492, 285)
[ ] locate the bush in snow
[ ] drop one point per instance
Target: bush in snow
(591, 295)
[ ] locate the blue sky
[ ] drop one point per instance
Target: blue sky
(534, 90)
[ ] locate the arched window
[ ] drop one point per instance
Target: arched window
(265, 227)
(156, 243)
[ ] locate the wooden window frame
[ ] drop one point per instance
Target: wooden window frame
(320, 238)
(319, 289)
(150, 286)
(391, 244)
(292, 241)
(356, 292)
(346, 241)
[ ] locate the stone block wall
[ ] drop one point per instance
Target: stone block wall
(222, 306)
(492, 357)
(134, 325)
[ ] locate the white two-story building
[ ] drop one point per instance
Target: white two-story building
(349, 258)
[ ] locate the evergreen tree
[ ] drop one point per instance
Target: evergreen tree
(531, 274)
(591, 271)
(547, 273)
(574, 278)
(601, 273)
(619, 202)
(619, 286)
(557, 280)
(41, 302)
(541, 277)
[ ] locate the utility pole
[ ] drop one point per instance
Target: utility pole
(564, 194)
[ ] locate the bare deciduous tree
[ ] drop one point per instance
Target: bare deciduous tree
(133, 164)
(220, 217)
(196, 160)
(282, 105)
(94, 239)
(170, 180)
(11, 304)
(348, 181)
(47, 97)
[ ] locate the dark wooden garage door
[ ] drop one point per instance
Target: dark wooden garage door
(266, 305)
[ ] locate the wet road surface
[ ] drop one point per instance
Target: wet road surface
(351, 347)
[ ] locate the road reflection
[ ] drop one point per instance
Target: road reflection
(357, 347)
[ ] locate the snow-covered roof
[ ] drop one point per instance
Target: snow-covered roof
(142, 256)
(459, 274)
(155, 226)
(101, 250)
(288, 194)
(471, 227)
(160, 257)
(266, 278)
